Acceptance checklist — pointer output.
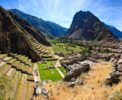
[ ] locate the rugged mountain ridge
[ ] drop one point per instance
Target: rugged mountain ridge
(49, 28)
(52, 29)
(114, 30)
(87, 26)
(16, 35)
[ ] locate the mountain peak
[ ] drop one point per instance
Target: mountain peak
(1, 7)
(86, 25)
(15, 10)
(84, 12)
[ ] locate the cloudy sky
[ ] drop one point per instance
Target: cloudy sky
(62, 11)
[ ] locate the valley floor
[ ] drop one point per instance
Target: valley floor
(94, 87)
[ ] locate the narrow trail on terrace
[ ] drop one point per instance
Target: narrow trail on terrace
(58, 65)
(36, 74)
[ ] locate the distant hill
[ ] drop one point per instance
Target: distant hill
(16, 35)
(49, 28)
(87, 26)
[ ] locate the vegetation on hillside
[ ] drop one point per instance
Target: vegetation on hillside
(65, 46)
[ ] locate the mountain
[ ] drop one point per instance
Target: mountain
(49, 28)
(114, 30)
(87, 26)
(16, 35)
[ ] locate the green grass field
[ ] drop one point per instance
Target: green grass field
(50, 74)
(66, 48)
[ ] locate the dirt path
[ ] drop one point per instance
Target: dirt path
(58, 65)
(36, 73)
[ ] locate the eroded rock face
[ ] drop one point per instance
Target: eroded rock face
(16, 36)
(87, 26)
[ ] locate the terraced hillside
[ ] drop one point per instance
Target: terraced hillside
(16, 36)
(20, 45)
(16, 77)
(42, 49)
(17, 73)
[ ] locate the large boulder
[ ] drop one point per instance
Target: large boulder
(119, 68)
(88, 62)
(113, 79)
(120, 61)
(77, 71)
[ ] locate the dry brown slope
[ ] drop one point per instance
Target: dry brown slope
(93, 88)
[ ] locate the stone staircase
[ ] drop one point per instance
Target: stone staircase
(42, 49)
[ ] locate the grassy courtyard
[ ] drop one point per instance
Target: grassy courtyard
(66, 48)
(50, 74)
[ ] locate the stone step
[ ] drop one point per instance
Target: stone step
(30, 90)
(11, 61)
(14, 83)
(39, 46)
(10, 73)
(4, 69)
(2, 63)
(21, 88)
(3, 56)
(30, 78)
(22, 67)
(6, 59)
(19, 66)
(30, 70)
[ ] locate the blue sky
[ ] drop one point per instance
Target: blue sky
(62, 11)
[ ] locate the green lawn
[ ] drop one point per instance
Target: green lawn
(65, 46)
(50, 74)
(62, 70)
